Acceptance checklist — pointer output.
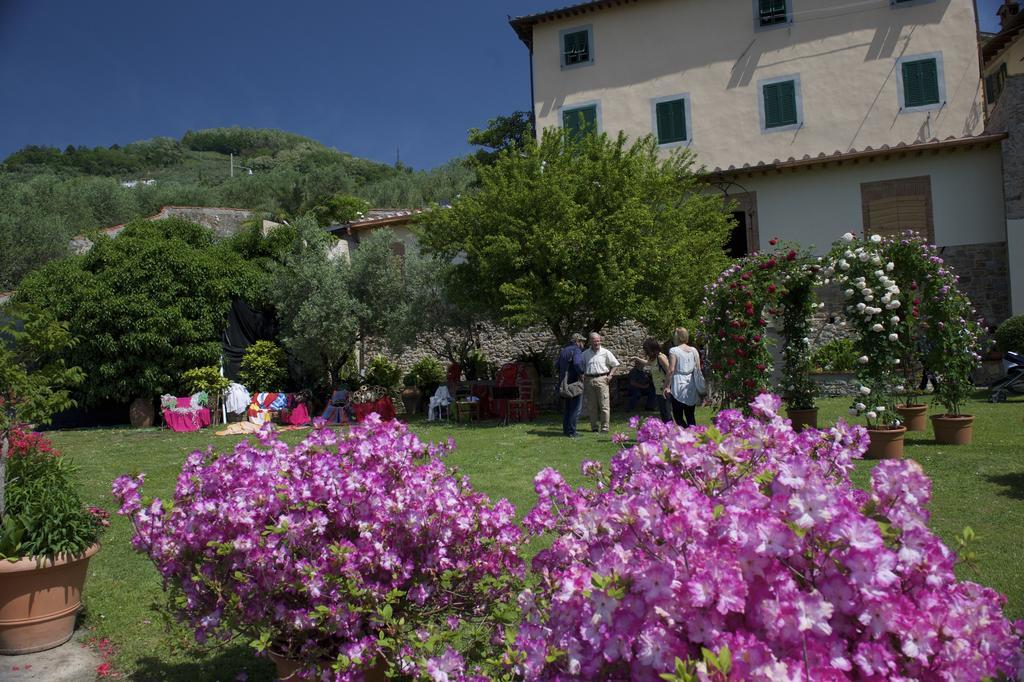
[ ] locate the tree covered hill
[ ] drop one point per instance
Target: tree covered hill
(48, 195)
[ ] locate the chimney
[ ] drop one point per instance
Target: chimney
(1006, 11)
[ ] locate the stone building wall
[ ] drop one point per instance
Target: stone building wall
(1008, 116)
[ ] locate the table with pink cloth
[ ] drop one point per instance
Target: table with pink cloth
(190, 419)
(384, 407)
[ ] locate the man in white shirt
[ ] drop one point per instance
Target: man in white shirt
(599, 367)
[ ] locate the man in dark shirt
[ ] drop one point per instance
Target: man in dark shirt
(570, 366)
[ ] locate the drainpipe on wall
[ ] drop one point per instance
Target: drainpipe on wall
(533, 100)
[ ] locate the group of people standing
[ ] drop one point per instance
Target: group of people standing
(672, 376)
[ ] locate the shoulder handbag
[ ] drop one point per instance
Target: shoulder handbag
(573, 390)
(699, 383)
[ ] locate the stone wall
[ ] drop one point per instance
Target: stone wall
(1008, 116)
(501, 346)
(223, 221)
(984, 271)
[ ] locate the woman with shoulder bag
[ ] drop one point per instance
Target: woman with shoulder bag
(686, 381)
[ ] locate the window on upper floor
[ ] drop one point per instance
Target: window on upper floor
(577, 47)
(780, 103)
(671, 119)
(580, 120)
(994, 84)
(920, 82)
(772, 13)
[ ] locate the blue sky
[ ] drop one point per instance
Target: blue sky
(365, 77)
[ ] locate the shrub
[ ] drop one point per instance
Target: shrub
(352, 547)
(264, 367)
(381, 372)
(207, 380)
(750, 540)
(838, 355)
(44, 515)
(1010, 335)
(427, 374)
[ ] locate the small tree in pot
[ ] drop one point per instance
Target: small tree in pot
(46, 534)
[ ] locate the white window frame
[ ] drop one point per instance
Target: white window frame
(940, 74)
(798, 92)
(581, 105)
(655, 101)
(589, 28)
(757, 17)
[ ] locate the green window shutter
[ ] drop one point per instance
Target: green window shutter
(780, 104)
(772, 12)
(671, 118)
(990, 88)
(578, 121)
(920, 83)
(576, 48)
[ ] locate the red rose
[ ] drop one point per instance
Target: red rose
(755, 338)
(770, 263)
(730, 362)
(745, 276)
(791, 255)
(771, 288)
(761, 366)
(773, 241)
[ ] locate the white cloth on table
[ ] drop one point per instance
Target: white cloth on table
(442, 398)
(682, 387)
(237, 399)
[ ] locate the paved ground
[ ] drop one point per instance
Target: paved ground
(71, 662)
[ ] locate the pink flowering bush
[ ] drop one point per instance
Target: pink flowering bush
(348, 551)
(744, 552)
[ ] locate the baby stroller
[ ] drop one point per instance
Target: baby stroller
(1013, 363)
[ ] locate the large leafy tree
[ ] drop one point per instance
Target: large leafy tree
(577, 232)
(315, 312)
(146, 306)
(504, 132)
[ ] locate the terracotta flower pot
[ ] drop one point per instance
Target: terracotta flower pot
(411, 400)
(288, 670)
(803, 419)
(953, 429)
(39, 599)
(141, 413)
(886, 443)
(915, 417)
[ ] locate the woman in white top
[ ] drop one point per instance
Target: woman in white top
(681, 390)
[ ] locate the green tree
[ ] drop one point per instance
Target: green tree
(434, 319)
(35, 381)
(377, 285)
(147, 305)
(579, 233)
(501, 133)
(317, 315)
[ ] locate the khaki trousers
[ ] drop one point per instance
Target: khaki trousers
(598, 403)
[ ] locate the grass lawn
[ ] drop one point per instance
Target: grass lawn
(981, 485)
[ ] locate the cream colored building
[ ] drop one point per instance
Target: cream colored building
(815, 117)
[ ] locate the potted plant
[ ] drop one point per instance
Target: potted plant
(46, 535)
(350, 552)
(382, 372)
(264, 367)
(796, 304)
(874, 312)
(411, 394)
(955, 354)
(210, 381)
(426, 375)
